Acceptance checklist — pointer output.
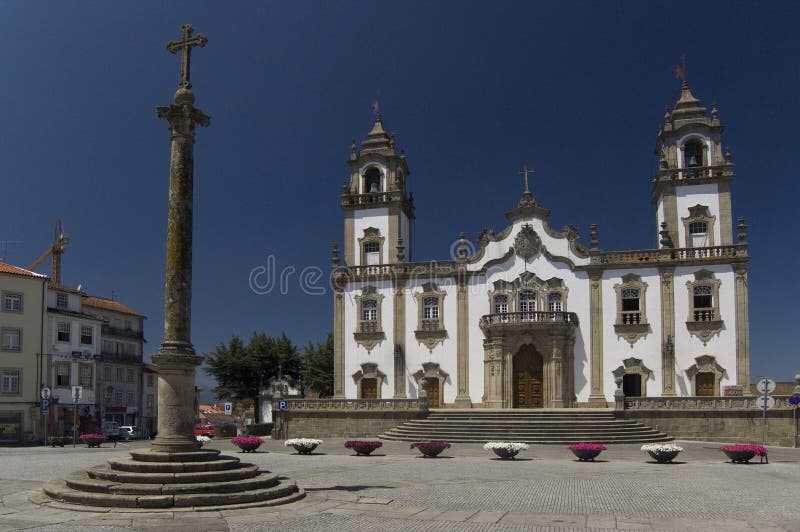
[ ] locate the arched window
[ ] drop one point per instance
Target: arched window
(369, 310)
(500, 304)
(430, 308)
(527, 304)
(630, 306)
(372, 179)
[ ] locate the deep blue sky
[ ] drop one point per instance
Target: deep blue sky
(472, 90)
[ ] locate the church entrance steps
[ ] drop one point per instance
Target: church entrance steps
(562, 426)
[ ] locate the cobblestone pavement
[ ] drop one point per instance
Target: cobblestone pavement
(466, 489)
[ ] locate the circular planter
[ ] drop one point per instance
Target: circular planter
(430, 452)
(304, 449)
(364, 450)
(92, 442)
(505, 454)
(585, 455)
(663, 456)
(248, 447)
(739, 457)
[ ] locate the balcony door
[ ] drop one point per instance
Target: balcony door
(704, 384)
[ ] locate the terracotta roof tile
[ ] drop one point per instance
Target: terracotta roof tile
(109, 304)
(8, 268)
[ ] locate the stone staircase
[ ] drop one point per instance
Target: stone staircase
(561, 426)
(198, 480)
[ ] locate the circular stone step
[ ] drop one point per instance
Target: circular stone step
(129, 464)
(148, 455)
(105, 473)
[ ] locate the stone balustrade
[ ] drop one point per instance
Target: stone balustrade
(703, 403)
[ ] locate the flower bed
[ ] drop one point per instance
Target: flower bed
(430, 448)
(505, 449)
(202, 439)
(247, 444)
(93, 440)
(662, 452)
(586, 451)
(303, 445)
(363, 447)
(742, 453)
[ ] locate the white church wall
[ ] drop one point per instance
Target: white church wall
(691, 195)
(722, 346)
(616, 348)
(377, 218)
(405, 234)
(383, 353)
(478, 302)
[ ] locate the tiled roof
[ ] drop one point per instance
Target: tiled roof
(8, 268)
(109, 304)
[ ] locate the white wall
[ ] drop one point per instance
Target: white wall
(377, 218)
(691, 195)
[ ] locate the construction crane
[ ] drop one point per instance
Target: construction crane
(60, 241)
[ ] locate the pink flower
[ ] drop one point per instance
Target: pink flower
(583, 446)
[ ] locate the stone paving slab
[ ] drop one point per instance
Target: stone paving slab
(467, 491)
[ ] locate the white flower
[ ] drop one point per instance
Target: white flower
(661, 447)
(202, 439)
(510, 446)
(302, 442)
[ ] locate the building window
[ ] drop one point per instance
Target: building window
(118, 397)
(12, 339)
(120, 375)
(130, 375)
(129, 400)
(10, 381)
(699, 227)
(501, 304)
(62, 300)
(150, 381)
(149, 402)
(554, 302)
(372, 179)
(430, 308)
(85, 375)
(128, 324)
(371, 247)
(631, 322)
(368, 329)
(63, 331)
(703, 303)
(108, 373)
(62, 375)
(527, 304)
(430, 315)
(87, 334)
(108, 347)
(12, 302)
(704, 319)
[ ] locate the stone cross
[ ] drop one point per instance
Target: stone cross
(185, 45)
(525, 171)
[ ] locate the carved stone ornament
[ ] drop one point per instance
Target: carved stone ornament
(527, 243)
(704, 330)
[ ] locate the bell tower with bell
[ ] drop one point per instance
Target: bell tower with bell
(378, 211)
(692, 189)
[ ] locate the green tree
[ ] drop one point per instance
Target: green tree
(318, 371)
(242, 371)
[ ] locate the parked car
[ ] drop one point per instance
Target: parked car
(204, 430)
(111, 429)
(127, 432)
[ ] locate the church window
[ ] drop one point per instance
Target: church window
(369, 310)
(372, 180)
(704, 319)
(371, 247)
(630, 306)
(631, 321)
(527, 304)
(500, 304)
(430, 308)
(554, 302)
(699, 227)
(430, 304)
(703, 303)
(372, 253)
(368, 331)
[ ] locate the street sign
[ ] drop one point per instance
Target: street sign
(765, 402)
(44, 406)
(765, 385)
(228, 408)
(77, 393)
(794, 400)
(45, 393)
(283, 404)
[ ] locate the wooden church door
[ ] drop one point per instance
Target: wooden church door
(369, 388)
(528, 378)
(432, 389)
(704, 384)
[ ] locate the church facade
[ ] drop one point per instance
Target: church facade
(533, 318)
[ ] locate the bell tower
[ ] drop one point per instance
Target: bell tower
(692, 189)
(378, 210)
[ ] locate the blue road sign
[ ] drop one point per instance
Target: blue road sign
(283, 404)
(795, 399)
(45, 405)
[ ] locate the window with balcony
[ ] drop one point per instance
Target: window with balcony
(501, 304)
(12, 302)
(87, 335)
(371, 247)
(10, 381)
(62, 375)
(430, 315)
(12, 339)
(554, 302)
(699, 227)
(368, 331)
(85, 375)
(526, 303)
(631, 322)
(704, 319)
(64, 330)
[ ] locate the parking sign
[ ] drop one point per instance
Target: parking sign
(283, 404)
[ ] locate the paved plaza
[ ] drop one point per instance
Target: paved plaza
(466, 489)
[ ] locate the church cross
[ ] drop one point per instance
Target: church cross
(525, 171)
(185, 45)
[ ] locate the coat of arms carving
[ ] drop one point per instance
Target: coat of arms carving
(527, 243)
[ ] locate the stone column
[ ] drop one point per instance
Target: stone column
(557, 375)
(338, 343)
(596, 396)
(742, 327)
(462, 335)
(667, 275)
(400, 339)
(176, 359)
(493, 372)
